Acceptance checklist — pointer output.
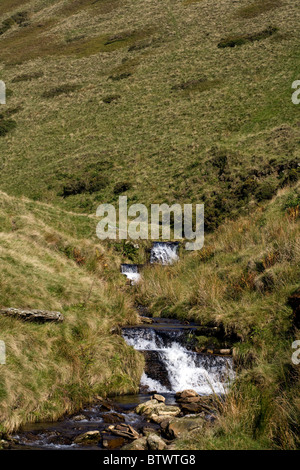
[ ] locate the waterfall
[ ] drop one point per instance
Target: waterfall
(171, 367)
(164, 253)
(131, 271)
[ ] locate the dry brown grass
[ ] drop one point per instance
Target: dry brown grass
(54, 369)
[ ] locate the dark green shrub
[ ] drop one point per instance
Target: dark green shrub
(6, 25)
(121, 187)
(6, 125)
(246, 188)
(127, 249)
(292, 201)
(96, 183)
(265, 191)
(90, 184)
(18, 18)
(292, 176)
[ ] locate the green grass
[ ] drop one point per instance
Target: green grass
(203, 101)
(242, 280)
(50, 260)
(113, 98)
(259, 7)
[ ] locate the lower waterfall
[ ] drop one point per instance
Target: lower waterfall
(171, 367)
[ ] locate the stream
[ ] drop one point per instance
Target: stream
(171, 365)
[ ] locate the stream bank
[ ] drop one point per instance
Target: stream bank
(171, 366)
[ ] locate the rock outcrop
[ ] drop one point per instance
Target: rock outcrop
(155, 368)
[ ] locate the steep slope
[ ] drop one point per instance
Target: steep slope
(148, 99)
(164, 101)
(48, 262)
(242, 280)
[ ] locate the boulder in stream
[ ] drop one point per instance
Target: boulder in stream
(88, 438)
(190, 402)
(157, 411)
(79, 418)
(159, 398)
(112, 418)
(176, 427)
(145, 320)
(186, 394)
(156, 369)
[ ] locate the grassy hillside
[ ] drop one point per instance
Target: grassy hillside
(111, 96)
(242, 279)
(165, 101)
(48, 262)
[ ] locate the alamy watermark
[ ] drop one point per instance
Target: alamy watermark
(136, 222)
(296, 94)
(296, 354)
(2, 92)
(2, 353)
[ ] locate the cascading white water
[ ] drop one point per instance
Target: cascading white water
(131, 271)
(164, 253)
(205, 374)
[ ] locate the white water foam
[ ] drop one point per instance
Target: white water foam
(205, 374)
(131, 272)
(164, 253)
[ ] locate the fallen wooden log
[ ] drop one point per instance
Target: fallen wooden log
(33, 315)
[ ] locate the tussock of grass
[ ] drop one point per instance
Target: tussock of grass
(110, 98)
(258, 7)
(122, 187)
(65, 89)
(240, 39)
(27, 77)
(89, 184)
(199, 85)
